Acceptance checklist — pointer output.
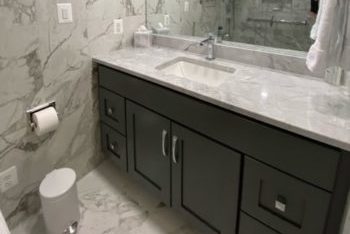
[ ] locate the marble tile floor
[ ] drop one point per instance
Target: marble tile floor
(112, 203)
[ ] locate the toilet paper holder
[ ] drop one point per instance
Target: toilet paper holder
(31, 111)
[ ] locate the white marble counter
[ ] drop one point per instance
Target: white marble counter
(299, 104)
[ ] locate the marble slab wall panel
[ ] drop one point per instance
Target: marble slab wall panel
(41, 60)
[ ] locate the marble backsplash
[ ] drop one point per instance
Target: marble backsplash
(41, 60)
(274, 58)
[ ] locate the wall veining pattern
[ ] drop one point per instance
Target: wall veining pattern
(41, 60)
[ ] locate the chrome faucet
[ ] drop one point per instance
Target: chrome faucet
(210, 42)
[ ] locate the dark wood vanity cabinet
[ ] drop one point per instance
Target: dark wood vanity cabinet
(202, 174)
(114, 145)
(148, 149)
(112, 110)
(281, 201)
(249, 225)
(206, 177)
(225, 172)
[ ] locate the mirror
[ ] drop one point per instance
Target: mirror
(274, 23)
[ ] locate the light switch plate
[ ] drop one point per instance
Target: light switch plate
(186, 6)
(65, 14)
(8, 179)
(118, 26)
(166, 20)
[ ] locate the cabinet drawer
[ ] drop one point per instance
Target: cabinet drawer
(112, 109)
(114, 145)
(284, 203)
(248, 225)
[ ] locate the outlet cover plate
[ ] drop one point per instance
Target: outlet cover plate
(8, 179)
(118, 26)
(166, 20)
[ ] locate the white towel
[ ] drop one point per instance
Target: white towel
(346, 53)
(332, 30)
(317, 57)
(314, 30)
(3, 226)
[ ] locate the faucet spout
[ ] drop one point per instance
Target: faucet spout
(210, 42)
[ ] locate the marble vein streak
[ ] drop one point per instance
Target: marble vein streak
(130, 9)
(24, 11)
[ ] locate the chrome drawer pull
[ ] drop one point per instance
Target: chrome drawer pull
(281, 204)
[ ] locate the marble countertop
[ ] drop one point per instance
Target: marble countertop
(300, 104)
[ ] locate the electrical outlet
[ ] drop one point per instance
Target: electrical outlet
(118, 26)
(186, 6)
(166, 20)
(8, 179)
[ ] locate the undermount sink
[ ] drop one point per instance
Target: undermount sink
(203, 72)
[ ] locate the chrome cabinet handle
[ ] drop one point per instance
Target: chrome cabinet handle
(175, 140)
(113, 146)
(164, 136)
(110, 111)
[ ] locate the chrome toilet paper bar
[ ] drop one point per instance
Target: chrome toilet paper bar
(31, 111)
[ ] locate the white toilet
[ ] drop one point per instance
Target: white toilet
(59, 200)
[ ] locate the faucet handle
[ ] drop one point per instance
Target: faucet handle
(210, 39)
(211, 36)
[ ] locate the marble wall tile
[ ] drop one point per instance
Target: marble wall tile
(41, 60)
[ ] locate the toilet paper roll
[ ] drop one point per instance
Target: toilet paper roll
(45, 121)
(4, 229)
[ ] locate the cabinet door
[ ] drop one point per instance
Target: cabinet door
(148, 148)
(205, 181)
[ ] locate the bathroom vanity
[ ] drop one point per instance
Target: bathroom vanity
(229, 156)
